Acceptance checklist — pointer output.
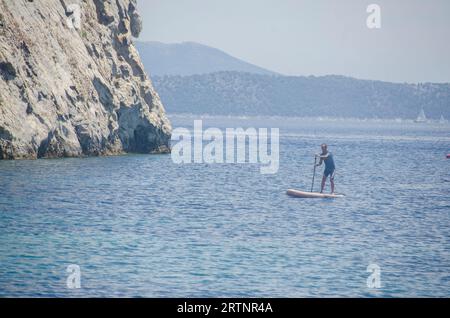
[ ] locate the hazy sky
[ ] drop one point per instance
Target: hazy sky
(304, 37)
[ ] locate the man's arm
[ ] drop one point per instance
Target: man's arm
(321, 159)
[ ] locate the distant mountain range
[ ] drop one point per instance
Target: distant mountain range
(194, 78)
(239, 93)
(189, 58)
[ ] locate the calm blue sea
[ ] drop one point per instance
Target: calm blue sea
(140, 225)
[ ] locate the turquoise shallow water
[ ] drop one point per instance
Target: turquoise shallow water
(140, 225)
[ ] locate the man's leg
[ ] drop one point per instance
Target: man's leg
(324, 179)
(332, 182)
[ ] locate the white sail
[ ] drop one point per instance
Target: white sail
(442, 120)
(421, 118)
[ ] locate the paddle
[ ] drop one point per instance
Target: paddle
(314, 173)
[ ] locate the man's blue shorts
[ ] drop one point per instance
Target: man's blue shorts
(329, 172)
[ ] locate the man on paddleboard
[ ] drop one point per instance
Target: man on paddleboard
(327, 157)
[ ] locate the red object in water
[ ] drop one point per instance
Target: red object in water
(448, 156)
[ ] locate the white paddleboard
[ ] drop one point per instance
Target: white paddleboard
(303, 194)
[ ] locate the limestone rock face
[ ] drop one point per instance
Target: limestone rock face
(73, 87)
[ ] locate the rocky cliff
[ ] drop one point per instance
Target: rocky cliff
(72, 83)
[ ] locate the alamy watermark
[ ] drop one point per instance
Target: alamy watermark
(228, 147)
(374, 279)
(74, 278)
(374, 19)
(73, 16)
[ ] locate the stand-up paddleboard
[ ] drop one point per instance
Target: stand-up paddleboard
(303, 194)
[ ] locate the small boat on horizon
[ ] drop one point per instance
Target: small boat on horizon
(442, 120)
(421, 118)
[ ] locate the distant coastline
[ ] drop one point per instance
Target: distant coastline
(241, 93)
(307, 118)
(196, 78)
